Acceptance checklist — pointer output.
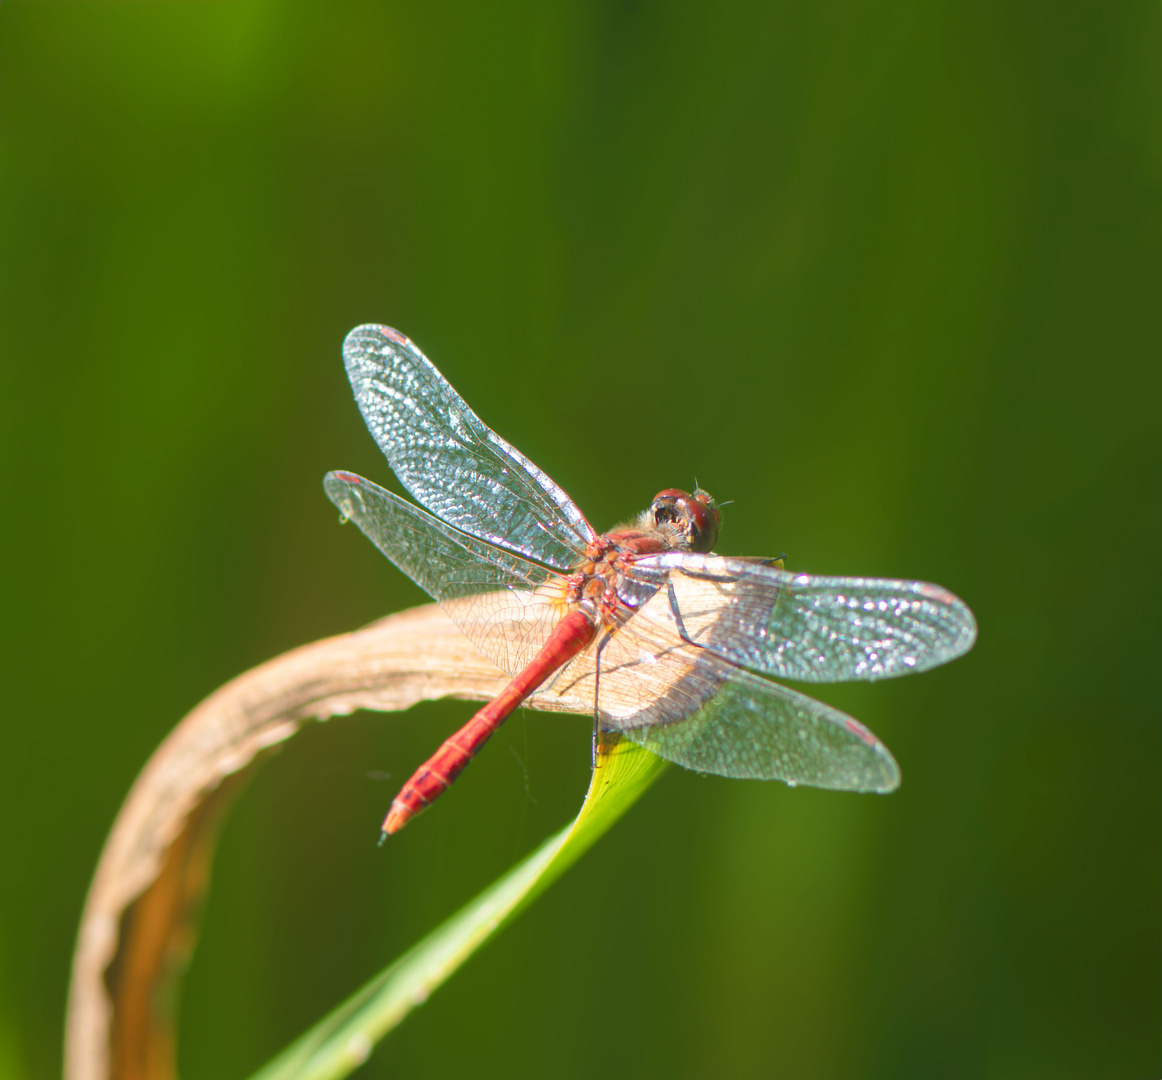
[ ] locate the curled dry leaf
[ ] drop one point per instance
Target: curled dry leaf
(137, 928)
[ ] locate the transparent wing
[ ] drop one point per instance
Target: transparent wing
(690, 706)
(809, 628)
(450, 460)
(503, 603)
(754, 729)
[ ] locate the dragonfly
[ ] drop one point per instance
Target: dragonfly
(673, 647)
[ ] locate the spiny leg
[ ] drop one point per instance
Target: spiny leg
(597, 698)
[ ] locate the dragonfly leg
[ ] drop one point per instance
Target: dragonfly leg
(674, 610)
(597, 699)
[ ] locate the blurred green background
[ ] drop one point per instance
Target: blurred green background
(885, 275)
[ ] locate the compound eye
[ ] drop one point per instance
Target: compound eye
(703, 518)
(693, 517)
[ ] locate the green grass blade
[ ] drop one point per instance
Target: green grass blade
(344, 1039)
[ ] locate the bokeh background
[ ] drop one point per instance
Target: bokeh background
(885, 275)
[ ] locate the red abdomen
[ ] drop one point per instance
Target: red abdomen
(435, 775)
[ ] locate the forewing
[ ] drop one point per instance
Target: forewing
(812, 628)
(450, 460)
(690, 706)
(502, 602)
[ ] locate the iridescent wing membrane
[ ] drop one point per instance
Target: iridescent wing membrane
(501, 601)
(812, 628)
(692, 707)
(711, 617)
(673, 676)
(451, 461)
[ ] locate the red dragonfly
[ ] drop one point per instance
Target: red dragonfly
(670, 644)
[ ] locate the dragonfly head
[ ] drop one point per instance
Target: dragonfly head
(692, 520)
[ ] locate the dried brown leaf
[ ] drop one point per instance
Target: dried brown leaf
(137, 929)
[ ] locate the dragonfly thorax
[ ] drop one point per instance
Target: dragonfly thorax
(675, 521)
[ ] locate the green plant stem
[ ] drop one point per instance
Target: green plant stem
(343, 1040)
